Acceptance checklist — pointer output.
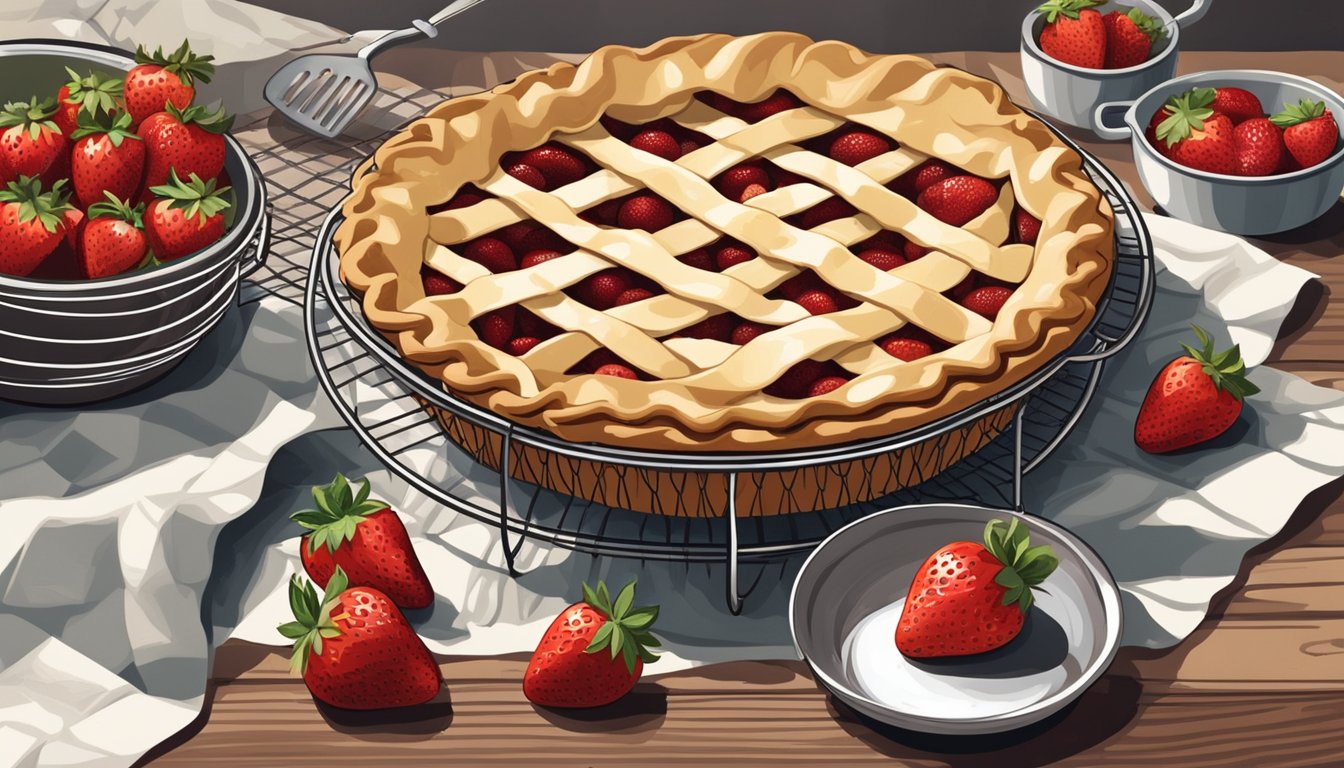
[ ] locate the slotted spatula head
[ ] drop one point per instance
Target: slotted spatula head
(323, 93)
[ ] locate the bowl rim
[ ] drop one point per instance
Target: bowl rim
(243, 223)
(1032, 45)
(1096, 568)
(1201, 77)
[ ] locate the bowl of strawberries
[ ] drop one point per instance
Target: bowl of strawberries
(1243, 151)
(955, 618)
(1077, 54)
(127, 217)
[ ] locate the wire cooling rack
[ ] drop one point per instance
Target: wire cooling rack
(383, 399)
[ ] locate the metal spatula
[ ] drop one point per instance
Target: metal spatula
(323, 93)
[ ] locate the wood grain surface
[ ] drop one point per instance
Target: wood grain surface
(1260, 682)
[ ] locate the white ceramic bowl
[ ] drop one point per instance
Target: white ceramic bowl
(1071, 94)
(849, 595)
(1242, 205)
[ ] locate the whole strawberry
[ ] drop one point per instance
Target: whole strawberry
(969, 598)
(93, 95)
(363, 537)
(1238, 104)
(959, 199)
(32, 224)
(1259, 145)
(1130, 37)
(30, 141)
(594, 651)
(190, 141)
(1197, 137)
(113, 240)
(1074, 33)
(1195, 398)
(158, 80)
(185, 216)
(355, 650)
(1309, 131)
(106, 159)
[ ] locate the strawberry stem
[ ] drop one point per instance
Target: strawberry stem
(1067, 8)
(626, 632)
(1226, 368)
(182, 62)
(1024, 567)
(339, 512)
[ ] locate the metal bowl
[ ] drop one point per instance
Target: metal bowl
(66, 342)
(1241, 205)
(1071, 94)
(849, 595)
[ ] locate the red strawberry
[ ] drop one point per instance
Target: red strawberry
(185, 216)
(647, 212)
(1238, 104)
(189, 141)
(30, 141)
(1309, 131)
(1195, 398)
(1073, 33)
(817, 302)
(527, 174)
(855, 147)
(355, 650)
(913, 250)
(539, 257)
(884, 239)
(1026, 227)
(921, 177)
(158, 80)
(1130, 37)
(366, 539)
(699, 258)
(799, 284)
(797, 380)
(437, 284)
(32, 224)
(463, 199)
(1196, 136)
(72, 220)
(496, 327)
(600, 291)
(735, 180)
(688, 146)
(716, 327)
(660, 143)
(522, 345)
(882, 258)
(904, 347)
(632, 295)
(1259, 145)
(106, 160)
(530, 324)
(491, 253)
(987, 301)
(113, 240)
(826, 385)
(594, 651)
(558, 164)
(95, 96)
(746, 331)
(617, 370)
(518, 233)
(959, 199)
(785, 178)
(969, 598)
(1150, 132)
(777, 102)
(751, 191)
(732, 255)
(830, 209)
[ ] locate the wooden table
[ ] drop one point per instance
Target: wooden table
(1260, 683)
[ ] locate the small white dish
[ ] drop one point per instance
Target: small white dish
(848, 598)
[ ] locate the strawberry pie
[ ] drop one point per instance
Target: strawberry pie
(728, 244)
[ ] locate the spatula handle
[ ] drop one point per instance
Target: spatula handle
(416, 29)
(453, 10)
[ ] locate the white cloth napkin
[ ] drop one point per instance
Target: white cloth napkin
(128, 522)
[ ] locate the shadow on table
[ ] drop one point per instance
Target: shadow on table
(1103, 711)
(640, 711)
(416, 723)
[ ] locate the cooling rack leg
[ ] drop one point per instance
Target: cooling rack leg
(1018, 464)
(509, 551)
(734, 594)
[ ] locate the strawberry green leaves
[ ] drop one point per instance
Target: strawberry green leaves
(1304, 111)
(182, 62)
(47, 207)
(1226, 368)
(116, 208)
(1024, 567)
(1147, 24)
(1067, 8)
(626, 632)
(94, 94)
(339, 511)
(1188, 111)
(117, 131)
(312, 617)
(196, 198)
(33, 116)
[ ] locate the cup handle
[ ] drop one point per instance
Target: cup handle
(1101, 123)
(1194, 13)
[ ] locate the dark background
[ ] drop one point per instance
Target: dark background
(885, 26)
